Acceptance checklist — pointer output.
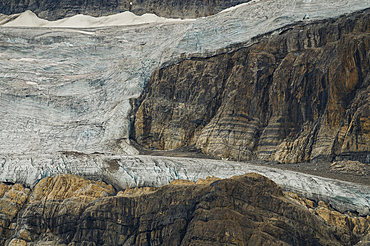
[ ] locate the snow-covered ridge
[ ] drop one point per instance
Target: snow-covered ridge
(30, 19)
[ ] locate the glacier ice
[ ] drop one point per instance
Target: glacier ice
(73, 91)
(67, 90)
(138, 171)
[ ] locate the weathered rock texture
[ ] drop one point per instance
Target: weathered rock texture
(298, 96)
(53, 10)
(72, 93)
(358, 225)
(244, 210)
(53, 209)
(350, 167)
(12, 199)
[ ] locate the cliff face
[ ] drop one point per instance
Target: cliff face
(299, 96)
(50, 212)
(53, 10)
(244, 210)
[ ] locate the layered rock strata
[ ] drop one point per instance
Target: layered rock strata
(73, 91)
(350, 167)
(358, 225)
(244, 210)
(299, 96)
(53, 209)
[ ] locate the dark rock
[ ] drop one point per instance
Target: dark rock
(12, 200)
(53, 10)
(244, 210)
(52, 209)
(299, 96)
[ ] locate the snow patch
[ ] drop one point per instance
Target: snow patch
(27, 19)
(30, 19)
(240, 5)
(31, 83)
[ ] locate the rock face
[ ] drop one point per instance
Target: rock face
(350, 167)
(358, 225)
(299, 96)
(72, 93)
(12, 199)
(54, 207)
(53, 10)
(244, 210)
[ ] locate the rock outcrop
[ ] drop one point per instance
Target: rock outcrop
(355, 167)
(83, 101)
(53, 10)
(244, 210)
(299, 96)
(53, 209)
(357, 224)
(12, 200)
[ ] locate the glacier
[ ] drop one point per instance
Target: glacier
(65, 96)
(124, 171)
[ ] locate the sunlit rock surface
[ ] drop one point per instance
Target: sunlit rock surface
(12, 200)
(357, 224)
(62, 199)
(73, 89)
(244, 210)
(66, 91)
